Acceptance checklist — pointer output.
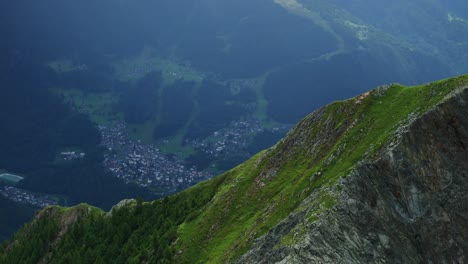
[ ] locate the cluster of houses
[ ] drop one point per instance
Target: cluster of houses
(72, 155)
(230, 140)
(144, 164)
(25, 197)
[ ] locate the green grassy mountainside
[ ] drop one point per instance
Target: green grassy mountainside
(174, 73)
(264, 209)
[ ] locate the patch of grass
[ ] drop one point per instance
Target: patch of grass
(327, 200)
(262, 103)
(134, 68)
(142, 132)
(64, 66)
(98, 106)
(313, 215)
(261, 111)
(85, 207)
(296, 234)
(175, 146)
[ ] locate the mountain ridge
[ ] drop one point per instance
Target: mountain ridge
(126, 62)
(372, 215)
(271, 208)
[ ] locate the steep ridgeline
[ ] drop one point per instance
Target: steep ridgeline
(381, 177)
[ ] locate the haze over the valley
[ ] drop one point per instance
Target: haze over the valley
(106, 100)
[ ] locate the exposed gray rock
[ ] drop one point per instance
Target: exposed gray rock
(409, 205)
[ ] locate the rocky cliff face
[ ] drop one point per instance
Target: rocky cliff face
(379, 178)
(408, 205)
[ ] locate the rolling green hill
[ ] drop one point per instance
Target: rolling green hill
(372, 178)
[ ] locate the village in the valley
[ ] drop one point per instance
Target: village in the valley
(26, 197)
(144, 164)
(147, 165)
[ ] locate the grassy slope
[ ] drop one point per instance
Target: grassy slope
(147, 61)
(250, 203)
(219, 219)
(98, 106)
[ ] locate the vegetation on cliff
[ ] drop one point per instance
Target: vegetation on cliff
(218, 220)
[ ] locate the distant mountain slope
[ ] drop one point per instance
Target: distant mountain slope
(370, 179)
(268, 60)
(368, 43)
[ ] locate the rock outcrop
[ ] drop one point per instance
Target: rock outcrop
(408, 205)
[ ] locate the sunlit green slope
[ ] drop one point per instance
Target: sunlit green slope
(218, 220)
